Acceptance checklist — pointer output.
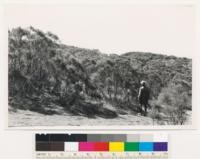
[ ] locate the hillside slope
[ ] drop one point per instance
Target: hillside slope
(46, 75)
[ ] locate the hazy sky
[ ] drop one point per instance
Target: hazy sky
(167, 29)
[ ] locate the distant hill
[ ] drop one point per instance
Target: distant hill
(44, 73)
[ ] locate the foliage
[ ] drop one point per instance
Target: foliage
(176, 102)
(41, 67)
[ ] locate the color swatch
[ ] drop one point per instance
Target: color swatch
(116, 146)
(101, 142)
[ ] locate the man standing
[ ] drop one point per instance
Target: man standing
(143, 96)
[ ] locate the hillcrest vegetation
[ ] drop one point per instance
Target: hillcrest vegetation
(52, 78)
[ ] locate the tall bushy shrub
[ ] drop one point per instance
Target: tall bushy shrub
(175, 101)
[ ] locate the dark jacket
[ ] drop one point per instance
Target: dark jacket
(143, 95)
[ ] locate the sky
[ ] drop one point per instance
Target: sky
(163, 29)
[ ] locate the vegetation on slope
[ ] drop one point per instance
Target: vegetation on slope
(45, 74)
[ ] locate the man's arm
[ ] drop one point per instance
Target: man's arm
(139, 93)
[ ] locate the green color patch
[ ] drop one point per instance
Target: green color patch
(131, 146)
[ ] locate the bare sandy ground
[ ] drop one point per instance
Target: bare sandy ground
(26, 118)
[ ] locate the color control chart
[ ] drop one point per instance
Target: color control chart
(101, 146)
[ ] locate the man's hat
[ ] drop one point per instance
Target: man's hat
(143, 82)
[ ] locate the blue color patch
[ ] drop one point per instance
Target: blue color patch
(146, 146)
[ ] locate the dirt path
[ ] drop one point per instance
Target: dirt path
(23, 118)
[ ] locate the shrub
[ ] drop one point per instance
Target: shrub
(175, 101)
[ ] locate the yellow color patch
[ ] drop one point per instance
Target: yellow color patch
(116, 146)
